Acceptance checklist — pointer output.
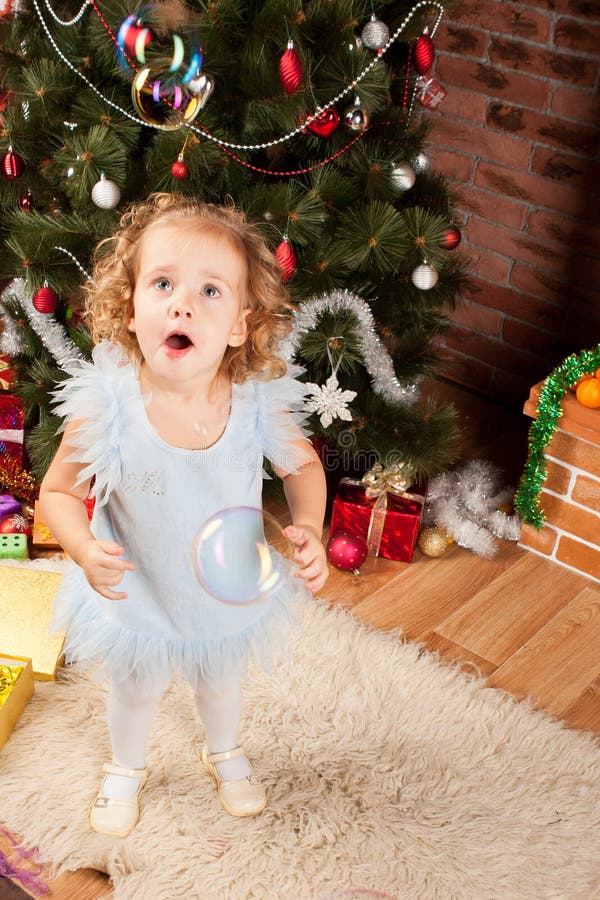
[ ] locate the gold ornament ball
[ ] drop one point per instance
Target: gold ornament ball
(433, 542)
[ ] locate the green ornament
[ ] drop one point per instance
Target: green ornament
(541, 431)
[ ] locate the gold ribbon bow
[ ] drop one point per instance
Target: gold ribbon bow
(378, 482)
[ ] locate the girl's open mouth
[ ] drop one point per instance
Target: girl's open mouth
(176, 344)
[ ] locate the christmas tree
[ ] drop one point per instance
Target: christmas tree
(304, 114)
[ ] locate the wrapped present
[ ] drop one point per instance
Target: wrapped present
(382, 509)
(26, 597)
(12, 417)
(16, 688)
(7, 373)
(430, 92)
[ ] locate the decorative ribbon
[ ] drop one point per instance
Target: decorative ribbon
(29, 879)
(11, 435)
(379, 482)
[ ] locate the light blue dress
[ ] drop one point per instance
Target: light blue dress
(152, 498)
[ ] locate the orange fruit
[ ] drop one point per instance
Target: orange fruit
(573, 387)
(588, 392)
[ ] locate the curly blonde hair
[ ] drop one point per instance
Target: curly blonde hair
(109, 295)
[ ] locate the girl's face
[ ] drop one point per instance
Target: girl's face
(187, 302)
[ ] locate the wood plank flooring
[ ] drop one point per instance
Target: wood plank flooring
(525, 624)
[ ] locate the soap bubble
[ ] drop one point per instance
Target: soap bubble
(240, 555)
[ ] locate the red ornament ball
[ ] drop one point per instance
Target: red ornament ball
(347, 551)
(179, 170)
(26, 202)
(424, 54)
(13, 165)
(45, 300)
(290, 69)
(286, 258)
(451, 238)
(15, 523)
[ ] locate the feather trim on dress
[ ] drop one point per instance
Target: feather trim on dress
(281, 420)
(96, 395)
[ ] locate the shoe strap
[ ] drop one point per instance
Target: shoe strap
(114, 769)
(226, 754)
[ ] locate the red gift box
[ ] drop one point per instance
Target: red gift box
(430, 92)
(389, 522)
(12, 417)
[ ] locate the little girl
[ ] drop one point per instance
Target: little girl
(170, 424)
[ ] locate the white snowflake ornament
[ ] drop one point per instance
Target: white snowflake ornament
(329, 401)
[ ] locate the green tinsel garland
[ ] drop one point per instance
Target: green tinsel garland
(549, 411)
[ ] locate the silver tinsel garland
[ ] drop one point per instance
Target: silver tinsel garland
(51, 333)
(465, 503)
(377, 361)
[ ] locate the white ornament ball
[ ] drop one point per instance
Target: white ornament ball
(106, 194)
(421, 163)
(375, 34)
(424, 277)
(402, 177)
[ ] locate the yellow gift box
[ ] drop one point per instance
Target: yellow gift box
(16, 689)
(26, 597)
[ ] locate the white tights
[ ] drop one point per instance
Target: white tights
(131, 708)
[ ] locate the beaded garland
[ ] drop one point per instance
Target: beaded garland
(549, 411)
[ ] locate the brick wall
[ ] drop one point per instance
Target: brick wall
(570, 497)
(517, 135)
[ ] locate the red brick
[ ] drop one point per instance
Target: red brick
(537, 282)
(463, 105)
(558, 477)
(515, 245)
(482, 142)
(573, 103)
(466, 370)
(488, 205)
(583, 37)
(496, 267)
(529, 309)
(476, 317)
(587, 491)
(533, 339)
(579, 556)
(542, 540)
(574, 170)
(516, 19)
(585, 270)
(454, 165)
(464, 40)
(545, 63)
(493, 82)
(496, 353)
(530, 188)
(542, 128)
(578, 453)
(579, 8)
(577, 521)
(568, 232)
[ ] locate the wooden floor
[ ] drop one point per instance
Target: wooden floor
(526, 625)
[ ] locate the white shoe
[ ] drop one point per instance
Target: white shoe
(117, 818)
(243, 797)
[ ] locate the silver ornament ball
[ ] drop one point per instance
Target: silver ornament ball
(375, 34)
(421, 163)
(402, 177)
(356, 117)
(424, 277)
(106, 194)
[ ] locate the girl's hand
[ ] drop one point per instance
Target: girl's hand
(309, 553)
(102, 567)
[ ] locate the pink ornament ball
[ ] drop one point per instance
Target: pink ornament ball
(347, 551)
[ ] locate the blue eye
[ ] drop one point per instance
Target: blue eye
(211, 291)
(163, 284)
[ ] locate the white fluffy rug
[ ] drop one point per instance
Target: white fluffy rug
(388, 774)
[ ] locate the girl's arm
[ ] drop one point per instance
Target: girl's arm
(63, 510)
(306, 494)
